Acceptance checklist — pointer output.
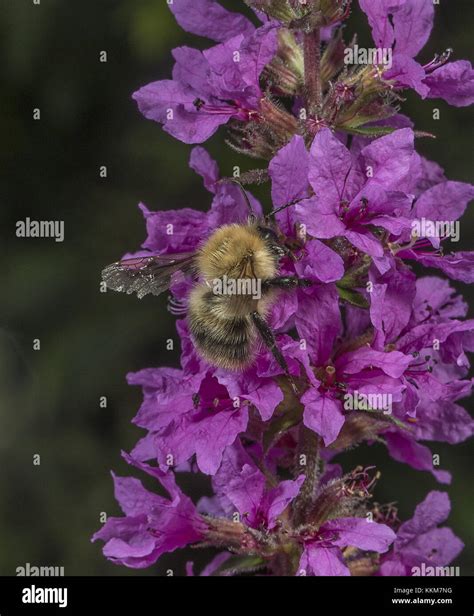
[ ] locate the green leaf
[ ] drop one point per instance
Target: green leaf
(353, 297)
(370, 131)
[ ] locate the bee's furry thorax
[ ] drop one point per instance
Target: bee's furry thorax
(237, 251)
(221, 326)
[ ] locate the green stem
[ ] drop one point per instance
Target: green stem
(308, 445)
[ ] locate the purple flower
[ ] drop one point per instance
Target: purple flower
(405, 26)
(322, 554)
(420, 319)
(363, 371)
(153, 525)
(353, 194)
(241, 487)
(420, 543)
(210, 87)
(442, 202)
(203, 425)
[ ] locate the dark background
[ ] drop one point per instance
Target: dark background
(49, 399)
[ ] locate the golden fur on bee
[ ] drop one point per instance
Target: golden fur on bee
(221, 325)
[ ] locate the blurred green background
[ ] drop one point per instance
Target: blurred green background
(49, 399)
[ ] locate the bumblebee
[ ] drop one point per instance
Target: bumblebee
(237, 281)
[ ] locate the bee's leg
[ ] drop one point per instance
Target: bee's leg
(286, 282)
(268, 338)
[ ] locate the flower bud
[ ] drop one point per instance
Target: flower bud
(286, 71)
(276, 9)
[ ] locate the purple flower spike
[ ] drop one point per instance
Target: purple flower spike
(343, 342)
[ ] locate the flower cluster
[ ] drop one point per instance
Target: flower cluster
(377, 353)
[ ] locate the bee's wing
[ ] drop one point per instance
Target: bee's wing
(146, 274)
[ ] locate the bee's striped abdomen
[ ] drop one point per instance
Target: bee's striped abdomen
(222, 338)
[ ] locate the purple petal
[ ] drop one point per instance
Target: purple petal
(320, 262)
(206, 435)
(278, 499)
(332, 173)
(174, 231)
(215, 563)
(443, 421)
(266, 397)
(392, 363)
(320, 218)
(157, 99)
(435, 548)
(392, 567)
(428, 514)
(440, 295)
(365, 241)
(419, 457)
(407, 72)
(389, 158)
(457, 265)
(413, 22)
(377, 13)
(167, 393)
(195, 126)
(246, 491)
(445, 201)
(229, 205)
(210, 19)
(205, 166)
(256, 52)
(454, 82)
(429, 174)
(322, 561)
(191, 69)
(288, 171)
(133, 498)
(137, 553)
(226, 77)
(391, 302)
(318, 320)
(360, 533)
(322, 414)
(234, 459)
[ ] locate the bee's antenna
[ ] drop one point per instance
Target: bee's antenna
(246, 197)
(282, 207)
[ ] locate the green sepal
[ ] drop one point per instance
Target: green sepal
(369, 131)
(280, 425)
(353, 297)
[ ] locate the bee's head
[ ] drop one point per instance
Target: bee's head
(272, 240)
